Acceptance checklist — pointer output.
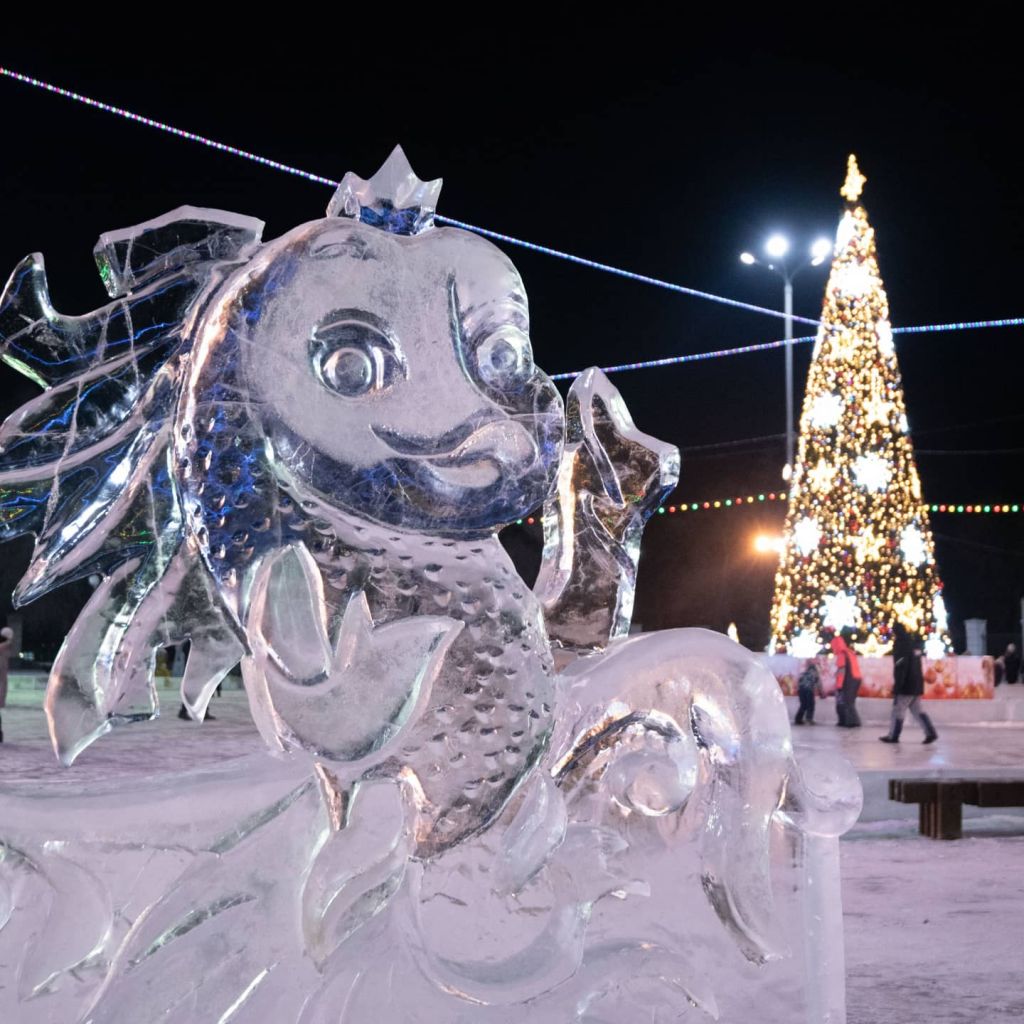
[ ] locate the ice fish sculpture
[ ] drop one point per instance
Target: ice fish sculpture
(297, 455)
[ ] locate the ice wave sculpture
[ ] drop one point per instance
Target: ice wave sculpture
(297, 455)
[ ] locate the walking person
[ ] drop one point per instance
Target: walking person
(807, 685)
(907, 686)
(6, 645)
(848, 680)
(1011, 663)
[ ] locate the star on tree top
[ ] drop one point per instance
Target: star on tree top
(855, 181)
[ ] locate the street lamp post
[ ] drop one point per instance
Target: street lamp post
(776, 247)
(787, 470)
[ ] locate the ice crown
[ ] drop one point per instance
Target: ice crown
(394, 199)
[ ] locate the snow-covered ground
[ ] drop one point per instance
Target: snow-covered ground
(934, 930)
(165, 745)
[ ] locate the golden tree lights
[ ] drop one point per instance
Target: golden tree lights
(858, 550)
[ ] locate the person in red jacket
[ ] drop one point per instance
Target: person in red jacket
(848, 680)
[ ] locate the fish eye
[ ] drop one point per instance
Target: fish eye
(353, 357)
(349, 371)
(504, 359)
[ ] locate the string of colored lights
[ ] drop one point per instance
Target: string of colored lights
(692, 357)
(276, 165)
(974, 508)
(764, 346)
(149, 122)
(962, 325)
(631, 275)
(755, 499)
(511, 240)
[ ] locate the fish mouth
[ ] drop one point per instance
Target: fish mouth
(474, 454)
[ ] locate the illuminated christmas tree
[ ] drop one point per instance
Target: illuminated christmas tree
(858, 549)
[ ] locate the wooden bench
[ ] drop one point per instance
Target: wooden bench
(942, 800)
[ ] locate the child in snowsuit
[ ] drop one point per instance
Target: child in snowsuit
(807, 686)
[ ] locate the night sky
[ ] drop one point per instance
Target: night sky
(662, 157)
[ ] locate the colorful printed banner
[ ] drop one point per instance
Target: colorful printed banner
(959, 677)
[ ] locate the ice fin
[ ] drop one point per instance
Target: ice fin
(81, 701)
(356, 869)
(376, 677)
(537, 829)
(610, 480)
(76, 928)
(25, 302)
(211, 657)
(132, 257)
(51, 348)
(78, 535)
(76, 420)
(294, 619)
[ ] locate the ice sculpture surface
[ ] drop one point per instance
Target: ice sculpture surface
(296, 455)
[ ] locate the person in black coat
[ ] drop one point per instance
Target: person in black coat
(907, 685)
(1011, 663)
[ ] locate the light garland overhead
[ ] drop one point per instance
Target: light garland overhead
(276, 165)
(885, 343)
(320, 179)
(745, 501)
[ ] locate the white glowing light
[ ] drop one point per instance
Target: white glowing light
(804, 645)
(876, 410)
(844, 345)
(807, 535)
(764, 543)
(873, 647)
(840, 610)
(748, 258)
(846, 230)
(818, 339)
(826, 410)
(908, 612)
(777, 246)
(821, 477)
(904, 424)
(872, 472)
(939, 611)
(885, 338)
(820, 251)
(913, 546)
(854, 281)
(935, 647)
(867, 547)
